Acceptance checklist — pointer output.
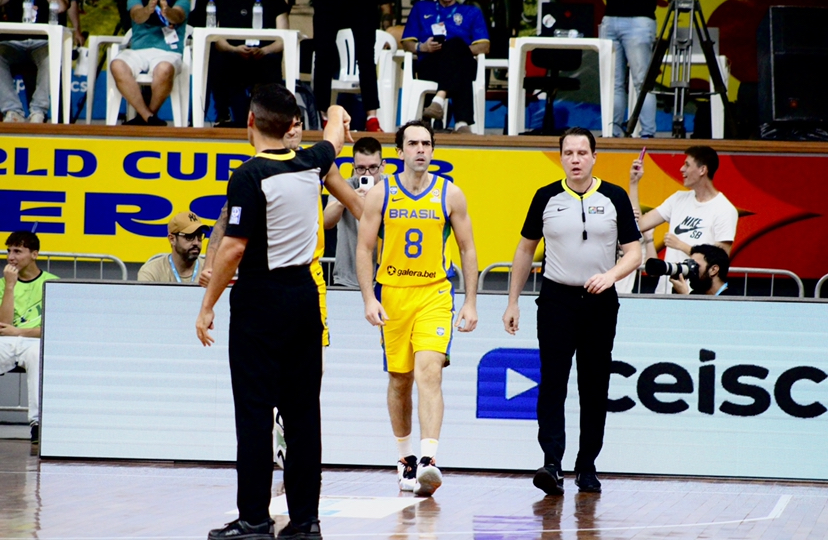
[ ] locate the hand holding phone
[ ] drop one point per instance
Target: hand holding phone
(164, 20)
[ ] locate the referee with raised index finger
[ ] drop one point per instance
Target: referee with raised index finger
(581, 220)
(275, 340)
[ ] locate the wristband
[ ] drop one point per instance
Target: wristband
(418, 47)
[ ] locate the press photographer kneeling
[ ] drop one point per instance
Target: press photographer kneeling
(705, 271)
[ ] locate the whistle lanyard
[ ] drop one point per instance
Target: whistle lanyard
(450, 15)
(175, 271)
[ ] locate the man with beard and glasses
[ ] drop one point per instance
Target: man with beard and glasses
(185, 233)
(711, 279)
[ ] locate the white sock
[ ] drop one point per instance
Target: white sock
(439, 101)
(404, 446)
(458, 125)
(428, 448)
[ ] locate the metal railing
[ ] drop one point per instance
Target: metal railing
(536, 278)
(819, 284)
(328, 264)
(79, 257)
(772, 272)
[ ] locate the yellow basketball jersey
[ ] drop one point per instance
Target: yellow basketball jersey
(413, 235)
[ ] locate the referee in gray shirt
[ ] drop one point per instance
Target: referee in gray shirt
(581, 220)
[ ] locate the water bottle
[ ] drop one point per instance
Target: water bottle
(54, 7)
(211, 14)
(28, 11)
(258, 16)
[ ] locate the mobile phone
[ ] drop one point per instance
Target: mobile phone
(440, 38)
(164, 20)
(366, 181)
(641, 155)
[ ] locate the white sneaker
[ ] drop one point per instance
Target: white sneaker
(407, 473)
(37, 117)
(14, 117)
(429, 478)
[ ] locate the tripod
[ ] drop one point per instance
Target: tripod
(680, 41)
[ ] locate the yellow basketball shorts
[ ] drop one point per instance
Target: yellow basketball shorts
(319, 278)
(419, 319)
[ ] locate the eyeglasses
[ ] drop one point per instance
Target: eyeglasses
(372, 169)
(192, 236)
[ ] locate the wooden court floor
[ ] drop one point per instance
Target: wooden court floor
(75, 500)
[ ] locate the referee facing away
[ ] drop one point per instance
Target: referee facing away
(581, 219)
(275, 324)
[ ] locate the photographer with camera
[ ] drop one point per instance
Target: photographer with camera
(700, 216)
(369, 169)
(705, 272)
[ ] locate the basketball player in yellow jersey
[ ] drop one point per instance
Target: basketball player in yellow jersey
(413, 213)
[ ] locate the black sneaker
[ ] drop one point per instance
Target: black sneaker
(549, 479)
(309, 531)
(242, 530)
(588, 482)
(35, 432)
(137, 121)
(155, 121)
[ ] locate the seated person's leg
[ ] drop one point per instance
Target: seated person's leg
(10, 104)
(125, 67)
(29, 358)
(162, 84)
(218, 80)
(249, 73)
(457, 81)
(164, 66)
(39, 107)
(8, 358)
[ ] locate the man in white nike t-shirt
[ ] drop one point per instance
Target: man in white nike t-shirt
(700, 216)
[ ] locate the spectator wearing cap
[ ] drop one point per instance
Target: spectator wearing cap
(185, 233)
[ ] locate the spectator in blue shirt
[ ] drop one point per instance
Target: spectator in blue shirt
(156, 47)
(446, 37)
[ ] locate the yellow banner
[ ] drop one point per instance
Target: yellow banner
(115, 196)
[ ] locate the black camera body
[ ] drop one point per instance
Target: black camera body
(687, 268)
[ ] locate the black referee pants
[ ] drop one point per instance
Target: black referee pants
(573, 321)
(362, 17)
(276, 361)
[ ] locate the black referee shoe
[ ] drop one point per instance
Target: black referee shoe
(549, 479)
(242, 530)
(308, 531)
(587, 482)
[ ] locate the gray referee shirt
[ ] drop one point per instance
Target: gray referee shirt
(580, 232)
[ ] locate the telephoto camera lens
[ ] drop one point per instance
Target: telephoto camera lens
(657, 267)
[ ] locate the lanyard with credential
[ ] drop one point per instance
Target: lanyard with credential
(450, 15)
(175, 271)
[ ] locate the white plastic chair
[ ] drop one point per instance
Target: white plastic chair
(180, 95)
(95, 42)
(348, 79)
(414, 92)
